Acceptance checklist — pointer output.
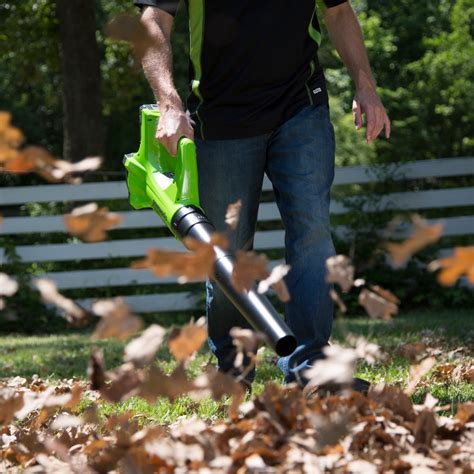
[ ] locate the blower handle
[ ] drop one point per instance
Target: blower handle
(186, 173)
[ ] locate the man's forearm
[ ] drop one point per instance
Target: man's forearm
(346, 35)
(158, 59)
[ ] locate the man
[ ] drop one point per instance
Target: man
(258, 103)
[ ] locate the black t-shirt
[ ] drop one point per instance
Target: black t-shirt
(253, 63)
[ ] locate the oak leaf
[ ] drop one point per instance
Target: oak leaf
(232, 214)
(186, 340)
(377, 306)
(249, 267)
(452, 268)
(117, 320)
(70, 310)
(141, 351)
(337, 367)
(417, 372)
(195, 265)
(422, 236)
(275, 280)
(341, 271)
(90, 222)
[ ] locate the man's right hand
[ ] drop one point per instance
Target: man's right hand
(174, 123)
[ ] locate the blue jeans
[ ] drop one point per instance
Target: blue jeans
(298, 158)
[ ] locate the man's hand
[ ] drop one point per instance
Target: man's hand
(174, 123)
(366, 101)
(346, 35)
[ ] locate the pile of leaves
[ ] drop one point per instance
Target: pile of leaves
(58, 429)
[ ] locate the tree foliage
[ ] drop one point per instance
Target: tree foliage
(421, 55)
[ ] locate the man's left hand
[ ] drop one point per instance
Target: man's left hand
(366, 101)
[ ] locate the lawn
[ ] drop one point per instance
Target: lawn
(449, 333)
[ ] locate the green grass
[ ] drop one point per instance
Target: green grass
(66, 356)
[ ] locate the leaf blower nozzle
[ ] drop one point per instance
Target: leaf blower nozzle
(169, 185)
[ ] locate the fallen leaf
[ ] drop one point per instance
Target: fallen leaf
(232, 214)
(413, 351)
(188, 339)
(425, 428)
(90, 222)
(422, 236)
(37, 159)
(465, 412)
(188, 266)
(117, 321)
(365, 349)
(385, 294)
(158, 384)
(337, 368)
(341, 271)
(377, 306)
(71, 311)
(11, 401)
(417, 372)
(394, 399)
(275, 280)
(249, 267)
(141, 351)
(452, 268)
(247, 343)
(8, 286)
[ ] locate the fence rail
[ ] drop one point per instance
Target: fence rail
(459, 222)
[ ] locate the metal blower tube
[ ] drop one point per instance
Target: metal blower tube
(189, 221)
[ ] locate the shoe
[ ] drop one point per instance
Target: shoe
(310, 390)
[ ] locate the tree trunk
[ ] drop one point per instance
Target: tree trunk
(82, 105)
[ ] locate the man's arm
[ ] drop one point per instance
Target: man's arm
(158, 65)
(346, 35)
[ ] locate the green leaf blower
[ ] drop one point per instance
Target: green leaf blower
(169, 185)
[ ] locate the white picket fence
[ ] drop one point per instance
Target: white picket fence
(416, 201)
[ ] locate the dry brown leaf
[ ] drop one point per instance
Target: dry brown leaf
(129, 28)
(341, 271)
(188, 339)
(249, 267)
(90, 222)
(117, 320)
(394, 399)
(417, 372)
(11, 401)
(158, 384)
(337, 368)
(8, 286)
(385, 294)
(377, 306)
(219, 384)
(71, 311)
(452, 268)
(37, 159)
(338, 300)
(247, 343)
(141, 351)
(425, 428)
(275, 280)
(365, 349)
(232, 214)
(188, 266)
(465, 412)
(413, 351)
(422, 236)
